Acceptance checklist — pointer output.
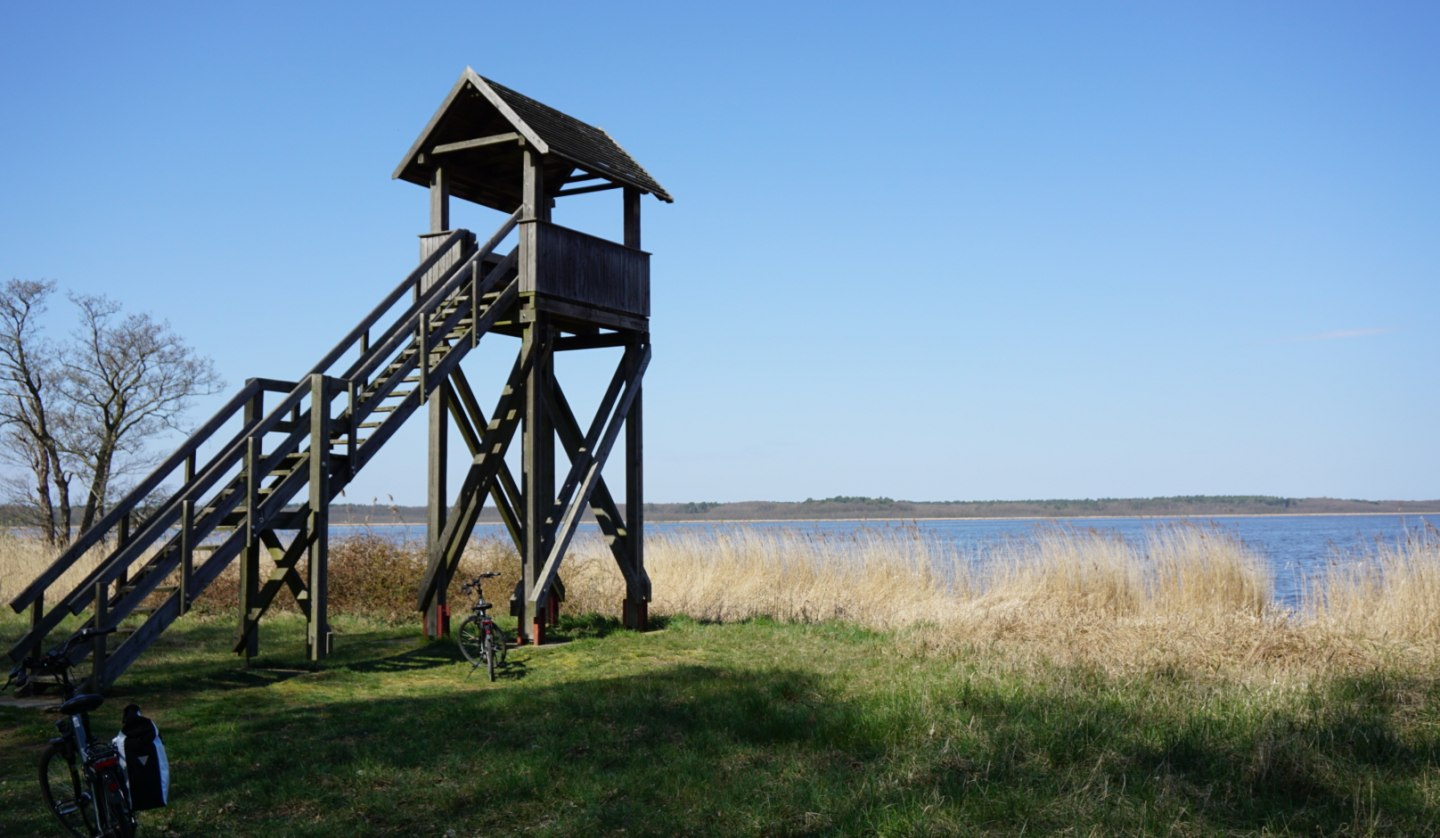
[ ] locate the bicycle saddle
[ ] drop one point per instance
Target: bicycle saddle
(82, 703)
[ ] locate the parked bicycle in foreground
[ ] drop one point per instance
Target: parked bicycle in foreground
(84, 781)
(481, 641)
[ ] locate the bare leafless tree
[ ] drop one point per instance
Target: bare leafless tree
(29, 390)
(85, 410)
(127, 378)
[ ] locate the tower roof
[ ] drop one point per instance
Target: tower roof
(477, 136)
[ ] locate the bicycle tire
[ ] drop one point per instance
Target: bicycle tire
(489, 649)
(63, 793)
(469, 638)
(118, 819)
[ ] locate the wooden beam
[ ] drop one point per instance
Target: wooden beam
(632, 217)
(465, 145)
(581, 190)
(439, 201)
(504, 490)
(612, 525)
(597, 341)
(491, 459)
(635, 609)
(284, 576)
(537, 475)
(589, 315)
(317, 621)
(585, 474)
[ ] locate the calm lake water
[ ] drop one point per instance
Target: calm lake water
(1297, 548)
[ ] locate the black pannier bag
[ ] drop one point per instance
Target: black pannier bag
(142, 758)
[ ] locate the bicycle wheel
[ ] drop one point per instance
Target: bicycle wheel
(491, 652)
(63, 793)
(470, 636)
(115, 815)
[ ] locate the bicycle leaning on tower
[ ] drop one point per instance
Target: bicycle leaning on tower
(481, 641)
(84, 781)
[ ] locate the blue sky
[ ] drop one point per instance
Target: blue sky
(925, 250)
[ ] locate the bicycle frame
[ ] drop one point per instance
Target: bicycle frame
(479, 638)
(91, 793)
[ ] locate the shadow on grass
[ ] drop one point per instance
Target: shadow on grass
(715, 750)
(693, 748)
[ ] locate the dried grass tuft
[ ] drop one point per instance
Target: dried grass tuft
(1187, 600)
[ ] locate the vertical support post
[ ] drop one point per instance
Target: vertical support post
(317, 627)
(538, 441)
(352, 443)
(538, 474)
(437, 615)
(97, 654)
(124, 540)
(632, 217)
(439, 200)
(187, 552)
(635, 611)
(37, 642)
(250, 562)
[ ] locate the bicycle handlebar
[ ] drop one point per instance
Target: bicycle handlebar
(54, 661)
(474, 584)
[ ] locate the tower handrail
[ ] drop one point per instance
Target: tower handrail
(425, 302)
(216, 489)
(410, 281)
(403, 328)
(125, 505)
(163, 518)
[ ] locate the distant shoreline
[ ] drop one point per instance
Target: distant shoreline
(902, 519)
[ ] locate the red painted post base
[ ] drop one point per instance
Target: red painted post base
(437, 625)
(635, 614)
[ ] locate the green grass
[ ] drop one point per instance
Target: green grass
(756, 728)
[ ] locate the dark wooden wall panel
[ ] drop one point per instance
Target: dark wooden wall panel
(585, 269)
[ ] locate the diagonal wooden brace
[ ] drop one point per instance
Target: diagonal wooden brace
(487, 463)
(285, 575)
(503, 489)
(602, 502)
(585, 470)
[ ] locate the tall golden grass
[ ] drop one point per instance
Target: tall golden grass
(24, 557)
(1187, 598)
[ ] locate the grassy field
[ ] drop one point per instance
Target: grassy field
(806, 686)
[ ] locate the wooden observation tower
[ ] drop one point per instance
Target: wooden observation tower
(259, 476)
(498, 148)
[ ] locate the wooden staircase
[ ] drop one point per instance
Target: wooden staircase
(272, 459)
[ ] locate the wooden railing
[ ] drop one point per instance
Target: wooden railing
(243, 460)
(578, 267)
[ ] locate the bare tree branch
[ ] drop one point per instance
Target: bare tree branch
(126, 379)
(29, 414)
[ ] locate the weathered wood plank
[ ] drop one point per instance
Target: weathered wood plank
(581, 268)
(481, 142)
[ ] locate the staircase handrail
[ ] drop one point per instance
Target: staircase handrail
(390, 299)
(386, 344)
(124, 506)
(166, 516)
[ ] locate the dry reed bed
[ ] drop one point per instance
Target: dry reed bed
(1188, 599)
